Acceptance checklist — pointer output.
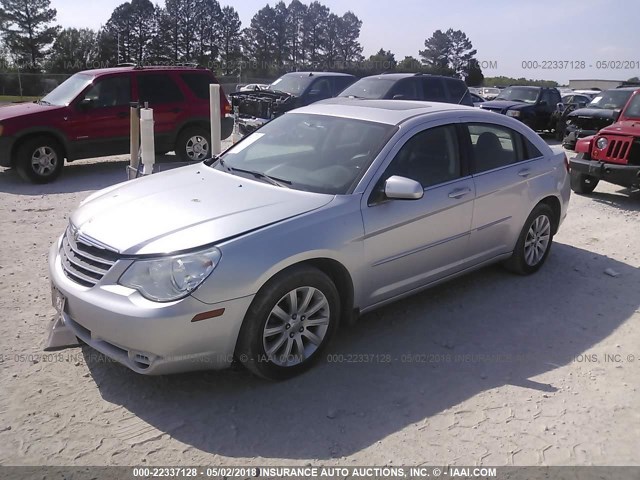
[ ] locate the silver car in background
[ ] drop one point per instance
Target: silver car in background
(324, 213)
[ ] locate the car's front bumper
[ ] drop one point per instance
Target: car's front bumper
(149, 337)
(623, 175)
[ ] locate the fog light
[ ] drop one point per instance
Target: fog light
(602, 143)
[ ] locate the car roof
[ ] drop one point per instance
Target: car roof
(391, 112)
(317, 74)
(104, 71)
(398, 76)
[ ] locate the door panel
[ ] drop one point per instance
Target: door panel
(410, 243)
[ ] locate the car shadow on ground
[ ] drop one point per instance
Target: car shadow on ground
(397, 366)
(80, 176)
(624, 199)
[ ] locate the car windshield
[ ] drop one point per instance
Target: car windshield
(519, 94)
(611, 99)
(64, 93)
(315, 153)
(369, 88)
(633, 108)
(291, 84)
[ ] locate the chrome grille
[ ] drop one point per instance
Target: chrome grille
(84, 263)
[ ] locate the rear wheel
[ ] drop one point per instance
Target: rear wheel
(193, 144)
(582, 183)
(289, 323)
(534, 243)
(39, 159)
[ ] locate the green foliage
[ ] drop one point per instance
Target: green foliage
(449, 53)
(28, 30)
(506, 81)
(74, 50)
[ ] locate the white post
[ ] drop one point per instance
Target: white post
(146, 140)
(216, 128)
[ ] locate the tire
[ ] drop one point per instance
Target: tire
(39, 159)
(538, 229)
(268, 344)
(193, 144)
(583, 184)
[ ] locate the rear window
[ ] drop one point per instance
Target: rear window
(157, 88)
(198, 83)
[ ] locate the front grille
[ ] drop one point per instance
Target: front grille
(84, 263)
(618, 149)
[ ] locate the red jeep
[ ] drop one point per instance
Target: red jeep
(612, 154)
(88, 116)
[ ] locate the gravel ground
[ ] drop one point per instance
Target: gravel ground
(489, 369)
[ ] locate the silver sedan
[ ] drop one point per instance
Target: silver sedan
(327, 212)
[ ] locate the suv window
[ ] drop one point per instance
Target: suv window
(158, 88)
(457, 89)
(110, 92)
(433, 89)
(321, 88)
(340, 83)
(407, 87)
(550, 97)
(198, 83)
(430, 157)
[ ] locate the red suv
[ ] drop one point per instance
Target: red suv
(88, 116)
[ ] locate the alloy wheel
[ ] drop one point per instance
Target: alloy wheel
(44, 161)
(537, 241)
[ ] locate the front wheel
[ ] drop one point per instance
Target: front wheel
(534, 242)
(193, 144)
(289, 323)
(39, 160)
(583, 184)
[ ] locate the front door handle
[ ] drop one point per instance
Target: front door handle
(459, 192)
(525, 172)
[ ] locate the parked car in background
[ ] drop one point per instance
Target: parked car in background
(612, 154)
(292, 90)
(251, 87)
(476, 99)
(88, 116)
(489, 93)
(533, 106)
(411, 86)
(346, 205)
(599, 113)
(567, 105)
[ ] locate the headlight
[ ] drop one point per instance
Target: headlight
(170, 278)
(602, 143)
(513, 113)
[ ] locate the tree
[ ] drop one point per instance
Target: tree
(474, 76)
(231, 39)
(297, 12)
(436, 55)
(27, 29)
(258, 40)
(73, 50)
(461, 53)
(383, 61)
(450, 53)
(409, 65)
(348, 35)
(315, 24)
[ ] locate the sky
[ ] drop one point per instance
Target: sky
(589, 39)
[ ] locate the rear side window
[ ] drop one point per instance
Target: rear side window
(457, 90)
(433, 90)
(157, 89)
(198, 83)
(495, 146)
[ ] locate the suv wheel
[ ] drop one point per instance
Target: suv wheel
(39, 160)
(534, 243)
(581, 183)
(193, 144)
(289, 323)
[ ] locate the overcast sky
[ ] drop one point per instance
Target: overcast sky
(504, 32)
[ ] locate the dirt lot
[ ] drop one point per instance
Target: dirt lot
(489, 369)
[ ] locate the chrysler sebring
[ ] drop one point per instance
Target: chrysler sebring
(326, 212)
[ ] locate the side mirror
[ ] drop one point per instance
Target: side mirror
(85, 104)
(616, 114)
(402, 188)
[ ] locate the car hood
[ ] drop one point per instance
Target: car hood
(504, 104)
(624, 127)
(8, 112)
(600, 113)
(186, 208)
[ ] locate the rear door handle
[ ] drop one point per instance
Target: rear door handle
(525, 172)
(459, 192)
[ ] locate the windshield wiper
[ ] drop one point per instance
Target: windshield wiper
(44, 102)
(278, 182)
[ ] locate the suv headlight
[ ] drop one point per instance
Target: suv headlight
(602, 143)
(173, 277)
(513, 113)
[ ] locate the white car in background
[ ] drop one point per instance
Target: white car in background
(250, 87)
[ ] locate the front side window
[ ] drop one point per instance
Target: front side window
(110, 92)
(430, 157)
(314, 153)
(633, 109)
(158, 89)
